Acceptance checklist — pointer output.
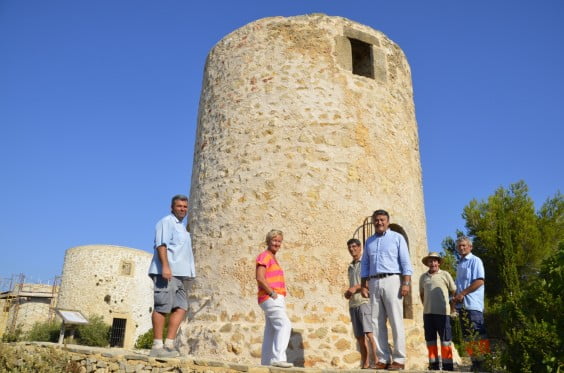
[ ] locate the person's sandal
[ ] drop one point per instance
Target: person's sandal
(380, 365)
(396, 366)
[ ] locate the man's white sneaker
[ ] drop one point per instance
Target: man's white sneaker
(155, 352)
(164, 352)
(282, 364)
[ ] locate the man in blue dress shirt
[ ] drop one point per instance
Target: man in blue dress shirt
(173, 262)
(469, 300)
(386, 275)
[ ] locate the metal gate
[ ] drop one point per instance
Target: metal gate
(117, 333)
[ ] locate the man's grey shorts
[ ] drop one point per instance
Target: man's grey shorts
(169, 294)
(361, 318)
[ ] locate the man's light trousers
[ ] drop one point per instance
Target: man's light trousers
(276, 331)
(387, 303)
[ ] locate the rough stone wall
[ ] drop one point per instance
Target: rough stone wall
(110, 281)
(31, 305)
(289, 138)
(31, 311)
(50, 357)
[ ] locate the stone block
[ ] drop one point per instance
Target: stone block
(226, 328)
(319, 333)
(343, 344)
(339, 329)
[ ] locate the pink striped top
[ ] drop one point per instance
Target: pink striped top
(274, 275)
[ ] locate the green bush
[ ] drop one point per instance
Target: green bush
(44, 331)
(95, 333)
(529, 323)
(145, 340)
(15, 336)
(457, 339)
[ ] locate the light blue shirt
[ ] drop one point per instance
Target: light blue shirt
(469, 269)
(171, 233)
(385, 253)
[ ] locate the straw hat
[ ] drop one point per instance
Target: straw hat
(433, 255)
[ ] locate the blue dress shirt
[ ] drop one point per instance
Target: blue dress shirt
(171, 233)
(469, 269)
(385, 253)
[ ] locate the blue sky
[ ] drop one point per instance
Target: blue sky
(98, 109)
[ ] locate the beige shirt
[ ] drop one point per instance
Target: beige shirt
(436, 290)
(354, 279)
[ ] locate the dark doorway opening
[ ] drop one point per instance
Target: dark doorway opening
(117, 333)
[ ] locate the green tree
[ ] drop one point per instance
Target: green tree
(523, 254)
(531, 327)
(502, 250)
(450, 257)
(551, 221)
(506, 230)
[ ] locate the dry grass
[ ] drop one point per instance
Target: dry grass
(16, 358)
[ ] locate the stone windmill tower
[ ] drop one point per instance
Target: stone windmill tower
(306, 124)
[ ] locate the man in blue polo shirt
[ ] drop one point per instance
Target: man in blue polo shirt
(469, 299)
(386, 274)
(173, 262)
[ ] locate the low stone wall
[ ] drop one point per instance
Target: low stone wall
(27, 356)
(84, 359)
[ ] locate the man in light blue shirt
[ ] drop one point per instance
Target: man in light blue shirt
(386, 275)
(173, 262)
(469, 299)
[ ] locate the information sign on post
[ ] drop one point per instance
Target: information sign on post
(70, 319)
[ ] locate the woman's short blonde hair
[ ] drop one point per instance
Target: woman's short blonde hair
(273, 233)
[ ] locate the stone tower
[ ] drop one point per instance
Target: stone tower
(306, 124)
(112, 282)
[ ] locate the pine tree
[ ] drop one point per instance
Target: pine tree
(506, 230)
(523, 255)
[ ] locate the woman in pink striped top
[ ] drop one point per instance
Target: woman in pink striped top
(271, 298)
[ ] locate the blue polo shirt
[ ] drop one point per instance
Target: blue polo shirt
(469, 269)
(385, 253)
(170, 232)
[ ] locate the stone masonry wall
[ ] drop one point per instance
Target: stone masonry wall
(35, 308)
(31, 304)
(290, 138)
(32, 311)
(49, 357)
